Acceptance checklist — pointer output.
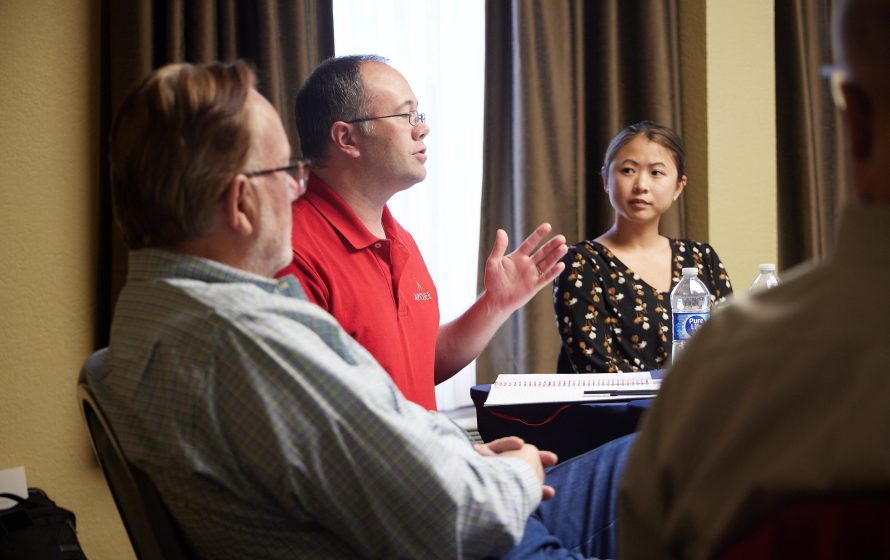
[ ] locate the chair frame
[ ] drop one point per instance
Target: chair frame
(150, 527)
(855, 524)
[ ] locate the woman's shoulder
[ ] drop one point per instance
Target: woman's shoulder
(589, 248)
(584, 257)
(713, 271)
(693, 247)
(691, 243)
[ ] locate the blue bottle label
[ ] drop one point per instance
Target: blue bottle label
(687, 323)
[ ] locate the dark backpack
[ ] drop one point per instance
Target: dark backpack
(38, 528)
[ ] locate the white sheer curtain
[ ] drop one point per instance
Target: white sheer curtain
(439, 46)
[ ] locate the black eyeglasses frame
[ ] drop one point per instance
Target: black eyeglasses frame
(291, 168)
(414, 118)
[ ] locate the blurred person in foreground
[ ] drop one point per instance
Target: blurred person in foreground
(268, 430)
(783, 395)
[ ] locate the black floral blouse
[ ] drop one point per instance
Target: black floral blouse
(611, 320)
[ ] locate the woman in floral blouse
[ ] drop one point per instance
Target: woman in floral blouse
(612, 301)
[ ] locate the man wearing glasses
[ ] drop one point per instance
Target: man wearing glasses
(268, 431)
(359, 125)
(783, 396)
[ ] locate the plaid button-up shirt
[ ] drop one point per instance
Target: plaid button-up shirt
(271, 433)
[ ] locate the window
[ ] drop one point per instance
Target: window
(439, 46)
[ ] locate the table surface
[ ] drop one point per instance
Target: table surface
(567, 429)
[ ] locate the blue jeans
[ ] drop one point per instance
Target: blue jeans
(579, 522)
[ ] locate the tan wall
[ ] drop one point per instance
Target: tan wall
(728, 75)
(741, 136)
(49, 145)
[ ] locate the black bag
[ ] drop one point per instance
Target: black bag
(37, 528)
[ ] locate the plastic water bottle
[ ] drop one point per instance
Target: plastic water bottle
(690, 308)
(766, 279)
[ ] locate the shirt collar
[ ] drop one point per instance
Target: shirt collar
(341, 217)
(148, 264)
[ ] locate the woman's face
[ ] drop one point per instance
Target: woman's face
(642, 180)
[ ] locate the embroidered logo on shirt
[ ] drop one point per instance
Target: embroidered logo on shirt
(420, 295)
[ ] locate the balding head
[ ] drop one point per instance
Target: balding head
(860, 34)
(860, 31)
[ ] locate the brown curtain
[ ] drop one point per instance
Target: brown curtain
(283, 39)
(809, 144)
(562, 77)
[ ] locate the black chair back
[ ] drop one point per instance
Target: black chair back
(152, 530)
(819, 527)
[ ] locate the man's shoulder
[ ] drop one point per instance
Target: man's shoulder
(315, 230)
(177, 298)
(305, 210)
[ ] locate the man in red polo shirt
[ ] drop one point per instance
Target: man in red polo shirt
(358, 124)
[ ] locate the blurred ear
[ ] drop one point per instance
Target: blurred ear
(605, 177)
(344, 137)
(240, 206)
(859, 121)
(681, 185)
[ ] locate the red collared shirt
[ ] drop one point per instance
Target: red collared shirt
(378, 289)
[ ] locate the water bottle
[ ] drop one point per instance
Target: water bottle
(766, 279)
(690, 308)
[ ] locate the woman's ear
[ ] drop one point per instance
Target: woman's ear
(344, 139)
(681, 184)
(605, 177)
(240, 205)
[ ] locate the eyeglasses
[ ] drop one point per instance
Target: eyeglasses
(297, 169)
(414, 118)
(837, 77)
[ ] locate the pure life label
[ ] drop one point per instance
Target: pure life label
(688, 323)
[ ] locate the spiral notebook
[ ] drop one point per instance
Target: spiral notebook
(529, 388)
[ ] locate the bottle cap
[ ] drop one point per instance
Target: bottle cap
(767, 268)
(691, 271)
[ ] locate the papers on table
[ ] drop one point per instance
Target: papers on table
(13, 481)
(532, 388)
